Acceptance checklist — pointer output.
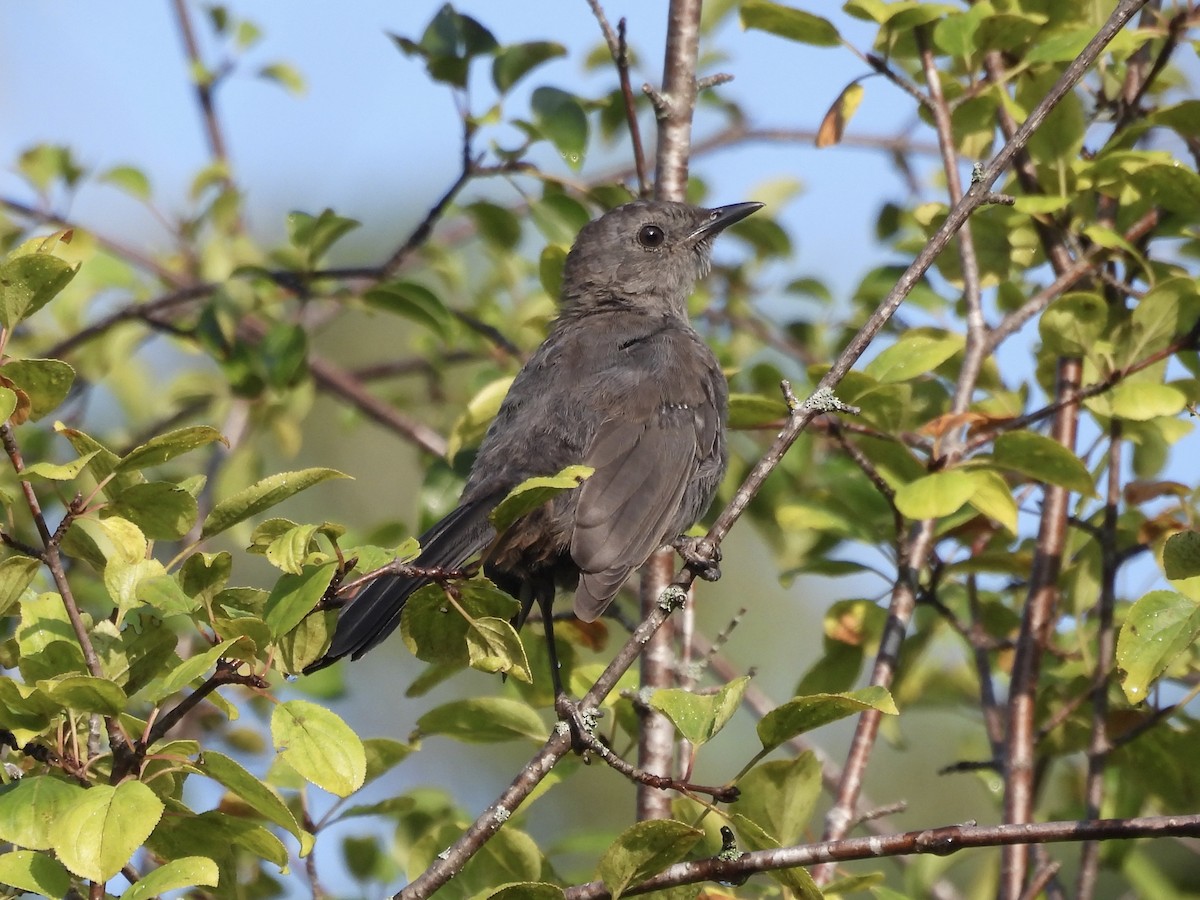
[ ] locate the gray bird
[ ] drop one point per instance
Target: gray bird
(623, 384)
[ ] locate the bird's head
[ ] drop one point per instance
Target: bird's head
(645, 254)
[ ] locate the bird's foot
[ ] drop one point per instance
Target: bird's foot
(581, 723)
(701, 554)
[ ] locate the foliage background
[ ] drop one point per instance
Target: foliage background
(373, 139)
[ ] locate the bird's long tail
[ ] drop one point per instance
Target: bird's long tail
(375, 612)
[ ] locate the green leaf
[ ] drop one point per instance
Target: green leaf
(1140, 401)
(1160, 626)
(190, 669)
(99, 832)
(56, 472)
(699, 717)
(290, 550)
(473, 423)
(935, 496)
(28, 870)
(514, 62)
(129, 179)
(16, 574)
(493, 645)
(260, 796)
(320, 746)
(755, 411)
(528, 890)
(29, 282)
(162, 511)
(262, 495)
(165, 447)
(790, 23)
(46, 382)
(1073, 323)
(450, 42)
(383, 754)
(1181, 555)
(801, 714)
(8, 403)
(560, 118)
(435, 632)
(496, 224)
(30, 807)
(1042, 459)
(643, 850)
(294, 597)
(284, 75)
(550, 269)
(314, 235)
(994, 498)
(102, 464)
(780, 797)
(86, 693)
(483, 720)
(533, 492)
(188, 871)
(915, 354)
(414, 302)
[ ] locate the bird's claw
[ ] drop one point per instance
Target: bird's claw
(701, 554)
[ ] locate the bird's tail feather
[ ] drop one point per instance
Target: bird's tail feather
(375, 612)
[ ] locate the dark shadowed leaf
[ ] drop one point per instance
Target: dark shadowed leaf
(1181, 555)
(514, 62)
(414, 302)
(561, 119)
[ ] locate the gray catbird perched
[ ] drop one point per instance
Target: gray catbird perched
(623, 384)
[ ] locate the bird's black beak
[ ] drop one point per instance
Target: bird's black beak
(722, 217)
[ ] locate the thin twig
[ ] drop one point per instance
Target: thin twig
(938, 841)
(1098, 744)
(1036, 623)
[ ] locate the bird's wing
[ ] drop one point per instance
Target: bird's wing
(625, 509)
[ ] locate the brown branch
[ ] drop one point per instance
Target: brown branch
(54, 563)
(204, 85)
(226, 673)
(975, 351)
(1037, 622)
(619, 51)
(656, 734)
(660, 783)
(677, 102)
(341, 383)
(1098, 744)
(116, 248)
(937, 841)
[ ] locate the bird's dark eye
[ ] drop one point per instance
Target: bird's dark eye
(651, 236)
